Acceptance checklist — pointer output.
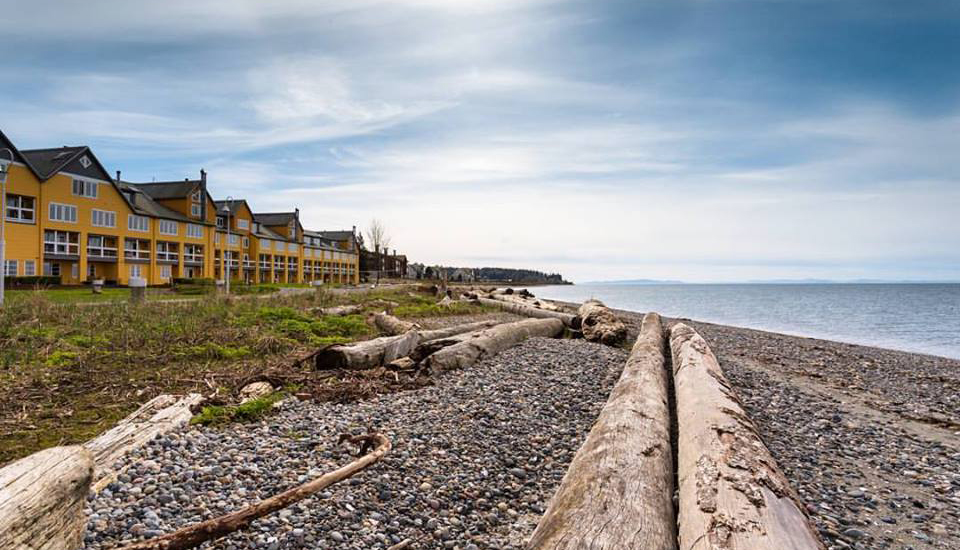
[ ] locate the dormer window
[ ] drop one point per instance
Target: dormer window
(242, 223)
(221, 222)
(196, 209)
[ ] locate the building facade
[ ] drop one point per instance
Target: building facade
(67, 219)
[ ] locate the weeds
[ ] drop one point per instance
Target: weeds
(251, 410)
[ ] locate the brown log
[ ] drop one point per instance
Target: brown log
(490, 342)
(618, 492)
(390, 325)
(529, 311)
(599, 324)
(42, 498)
(732, 494)
(157, 416)
(198, 533)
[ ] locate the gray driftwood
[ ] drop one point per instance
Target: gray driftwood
(529, 311)
(732, 494)
(42, 498)
(599, 324)
(390, 325)
(490, 342)
(618, 491)
(339, 311)
(157, 416)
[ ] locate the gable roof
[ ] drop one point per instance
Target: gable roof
(142, 203)
(5, 143)
(46, 163)
(161, 190)
(267, 233)
(337, 235)
(274, 218)
(232, 205)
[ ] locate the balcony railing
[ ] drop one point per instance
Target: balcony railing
(195, 258)
(101, 252)
(61, 248)
(136, 254)
(167, 256)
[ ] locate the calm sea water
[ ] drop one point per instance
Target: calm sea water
(922, 318)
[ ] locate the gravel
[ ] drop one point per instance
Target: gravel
(475, 459)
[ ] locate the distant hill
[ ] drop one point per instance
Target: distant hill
(637, 282)
(491, 274)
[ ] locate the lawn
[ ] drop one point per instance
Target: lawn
(68, 374)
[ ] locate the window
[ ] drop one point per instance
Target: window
(165, 272)
(195, 231)
(136, 249)
(246, 242)
(75, 270)
(307, 252)
(234, 239)
(103, 218)
(166, 251)
(51, 269)
(21, 209)
(221, 221)
(138, 223)
(99, 246)
(195, 210)
(85, 188)
(135, 271)
(192, 253)
(242, 223)
(63, 213)
(195, 204)
(265, 244)
(29, 268)
(216, 238)
(291, 247)
(167, 227)
(61, 242)
(10, 269)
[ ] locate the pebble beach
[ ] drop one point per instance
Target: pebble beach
(865, 436)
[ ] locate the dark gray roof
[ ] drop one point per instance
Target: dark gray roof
(232, 205)
(275, 218)
(336, 235)
(143, 204)
(168, 189)
(48, 162)
(268, 234)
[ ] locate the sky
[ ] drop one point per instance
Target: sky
(676, 139)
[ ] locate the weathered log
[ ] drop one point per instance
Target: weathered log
(42, 498)
(339, 311)
(599, 324)
(427, 335)
(490, 342)
(529, 311)
(157, 416)
(618, 491)
(198, 533)
(255, 390)
(446, 302)
(732, 494)
(390, 325)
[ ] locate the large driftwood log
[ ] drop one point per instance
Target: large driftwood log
(599, 324)
(198, 533)
(42, 498)
(339, 311)
(390, 325)
(380, 351)
(529, 311)
(490, 342)
(157, 416)
(618, 491)
(732, 494)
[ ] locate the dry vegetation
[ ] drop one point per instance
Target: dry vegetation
(68, 373)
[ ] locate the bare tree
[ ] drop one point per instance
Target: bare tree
(379, 241)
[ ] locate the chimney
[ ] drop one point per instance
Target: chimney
(203, 177)
(118, 176)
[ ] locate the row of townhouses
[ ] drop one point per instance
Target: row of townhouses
(68, 218)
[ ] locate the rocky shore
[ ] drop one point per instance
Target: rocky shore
(869, 438)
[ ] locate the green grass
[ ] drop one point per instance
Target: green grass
(81, 295)
(251, 410)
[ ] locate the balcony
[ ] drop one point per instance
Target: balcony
(168, 257)
(101, 253)
(136, 254)
(193, 258)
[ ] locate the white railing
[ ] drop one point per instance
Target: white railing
(187, 257)
(101, 251)
(136, 254)
(167, 256)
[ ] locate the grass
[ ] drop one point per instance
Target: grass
(251, 410)
(69, 373)
(85, 295)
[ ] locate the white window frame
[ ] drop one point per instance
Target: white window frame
(88, 188)
(216, 238)
(164, 226)
(194, 231)
(265, 244)
(243, 224)
(165, 271)
(136, 271)
(246, 242)
(61, 240)
(233, 239)
(132, 226)
(29, 268)
(11, 272)
(108, 218)
(292, 247)
(20, 209)
(65, 213)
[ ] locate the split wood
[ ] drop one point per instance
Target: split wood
(198, 533)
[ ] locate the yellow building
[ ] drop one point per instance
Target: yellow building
(68, 219)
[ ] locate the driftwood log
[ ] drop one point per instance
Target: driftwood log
(42, 498)
(390, 325)
(530, 311)
(618, 491)
(599, 324)
(386, 349)
(732, 494)
(157, 416)
(198, 533)
(339, 311)
(490, 342)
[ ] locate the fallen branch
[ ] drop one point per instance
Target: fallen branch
(198, 533)
(339, 311)
(390, 325)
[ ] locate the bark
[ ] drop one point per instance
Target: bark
(426, 335)
(490, 342)
(198, 533)
(339, 311)
(42, 498)
(599, 324)
(157, 416)
(618, 491)
(732, 494)
(390, 325)
(255, 390)
(529, 311)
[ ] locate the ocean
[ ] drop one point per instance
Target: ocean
(923, 318)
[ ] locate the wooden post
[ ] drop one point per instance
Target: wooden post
(732, 494)
(618, 492)
(42, 498)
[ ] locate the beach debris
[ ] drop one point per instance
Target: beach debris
(599, 324)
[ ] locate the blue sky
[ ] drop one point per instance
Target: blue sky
(682, 139)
